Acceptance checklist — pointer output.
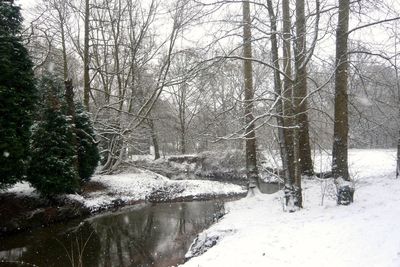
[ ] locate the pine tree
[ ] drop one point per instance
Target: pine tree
(52, 170)
(17, 97)
(88, 153)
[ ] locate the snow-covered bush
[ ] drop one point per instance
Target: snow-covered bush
(228, 161)
(225, 163)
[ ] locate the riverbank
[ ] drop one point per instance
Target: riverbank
(366, 233)
(21, 208)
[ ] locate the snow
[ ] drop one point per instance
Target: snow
(137, 186)
(363, 100)
(22, 189)
(256, 232)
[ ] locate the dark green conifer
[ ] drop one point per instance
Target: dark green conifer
(88, 153)
(17, 97)
(52, 169)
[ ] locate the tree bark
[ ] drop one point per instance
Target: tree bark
(250, 135)
(60, 9)
(293, 195)
(398, 158)
(154, 139)
(340, 168)
(64, 50)
(287, 89)
(278, 90)
(86, 78)
(306, 165)
(341, 127)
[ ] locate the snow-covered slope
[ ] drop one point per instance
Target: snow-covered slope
(256, 232)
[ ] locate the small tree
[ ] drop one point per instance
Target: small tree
(17, 97)
(52, 169)
(88, 153)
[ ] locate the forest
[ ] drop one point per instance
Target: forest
(111, 103)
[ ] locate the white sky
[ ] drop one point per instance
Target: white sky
(25, 4)
(377, 35)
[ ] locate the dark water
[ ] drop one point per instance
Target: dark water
(150, 235)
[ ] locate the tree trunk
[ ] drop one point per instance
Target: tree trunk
(278, 91)
(250, 135)
(305, 160)
(154, 139)
(287, 89)
(341, 128)
(64, 50)
(60, 9)
(293, 197)
(182, 142)
(398, 158)
(86, 78)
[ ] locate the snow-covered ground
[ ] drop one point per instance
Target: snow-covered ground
(256, 232)
(131, 187)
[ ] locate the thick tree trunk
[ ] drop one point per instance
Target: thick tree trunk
(341, 128)
(278, 90)
(288, 110)
(293, 195)
(250, 135)
(86, 78)
(305, 159)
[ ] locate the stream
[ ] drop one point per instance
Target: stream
(145, 235)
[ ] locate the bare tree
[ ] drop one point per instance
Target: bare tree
(250, 134)
(306, 165)
(340, 167)
(86, 63)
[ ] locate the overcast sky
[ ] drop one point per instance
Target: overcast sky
(25, 5)
(378, 36)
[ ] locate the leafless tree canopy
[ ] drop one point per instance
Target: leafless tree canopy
(167, 77)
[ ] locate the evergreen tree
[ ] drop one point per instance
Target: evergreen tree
(88, 153)
(52, 170)
(17, 97)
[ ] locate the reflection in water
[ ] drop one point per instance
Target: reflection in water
(153, 235)
(77, 246)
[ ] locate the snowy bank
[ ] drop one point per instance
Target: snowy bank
(256, 232)
(143, 185)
